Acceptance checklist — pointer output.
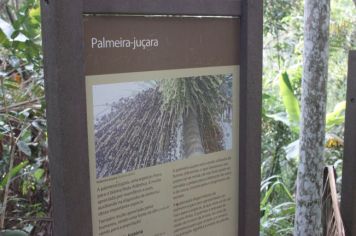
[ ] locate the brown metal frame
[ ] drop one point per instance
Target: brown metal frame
(348, 194)
(66, 105)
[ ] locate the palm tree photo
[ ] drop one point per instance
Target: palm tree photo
(160, 121)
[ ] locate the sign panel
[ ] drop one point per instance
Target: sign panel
(163, 120)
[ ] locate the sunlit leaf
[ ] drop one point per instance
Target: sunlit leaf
(290, 101)
(35, 15)
(8, 30)
(13, 172)
(337, 116)
(38, 174)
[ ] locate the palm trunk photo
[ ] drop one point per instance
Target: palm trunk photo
(159, 121)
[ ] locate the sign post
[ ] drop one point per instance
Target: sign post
(154, 116)
(348, 194)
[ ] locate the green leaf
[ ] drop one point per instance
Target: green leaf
(38, 174)
(35, 15)
(13, 172)
(272, 188)
(290, 102)
(24, 148)
(9, 84)
(25, 187)
(336, 117)
(4, 41)
(6, 31)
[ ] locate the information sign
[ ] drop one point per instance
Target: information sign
(154, 116)
(162, 99)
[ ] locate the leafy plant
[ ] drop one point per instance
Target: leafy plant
(276, 219)
(283, 41)
(24, 177)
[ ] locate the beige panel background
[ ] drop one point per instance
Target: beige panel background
(163, 222)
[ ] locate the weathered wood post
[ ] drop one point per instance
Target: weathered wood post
(348, 194)
(108, 178)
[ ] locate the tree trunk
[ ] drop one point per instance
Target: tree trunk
(315, 69)
(191, 135)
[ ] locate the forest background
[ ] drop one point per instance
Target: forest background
(25, 198)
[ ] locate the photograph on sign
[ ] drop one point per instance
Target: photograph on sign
(147, 123)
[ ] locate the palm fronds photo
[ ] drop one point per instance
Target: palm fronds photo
(147, 123)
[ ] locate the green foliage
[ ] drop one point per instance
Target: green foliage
(337, 116)
(276, 13)
(342, 39)
(290, 101)
(283, 45)
(277, 218)
(13, 172)
(24, 177)
(21, 36)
